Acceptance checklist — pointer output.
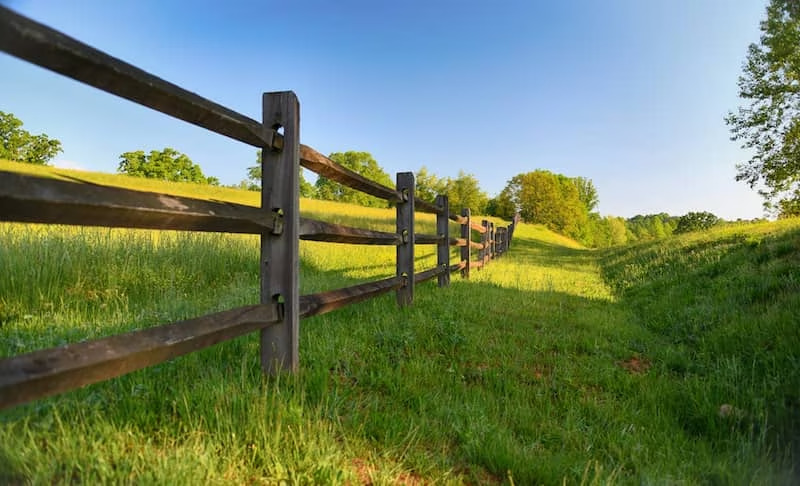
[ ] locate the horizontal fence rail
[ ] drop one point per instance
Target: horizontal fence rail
(31, 199)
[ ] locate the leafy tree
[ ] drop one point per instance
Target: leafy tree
(20, 145)
(769, 124)
(428, 186)
(465, 192)
(650, 226)
(253, 181)
(166, 165)
(502, 206)
(587, 193)
(362, 163)
(696, 221)
(549, 199)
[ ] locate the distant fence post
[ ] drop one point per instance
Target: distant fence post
(492, 241)
(466, 235)
(485, 241)
(443, 232)
(280, 264)
(405, 228)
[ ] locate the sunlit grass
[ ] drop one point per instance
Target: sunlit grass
(673, 362)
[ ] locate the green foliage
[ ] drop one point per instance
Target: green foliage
(165, 165)
(650, 226)
(428, 186)
(19, 145)
(253, 181)
(587, 193)
(549, 199)
(696, 221)
(362, 163)
(664, 362)
(769, 124)
(465, 192)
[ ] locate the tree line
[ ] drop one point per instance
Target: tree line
(564, 204)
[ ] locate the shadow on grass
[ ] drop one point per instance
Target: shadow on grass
(476, 379)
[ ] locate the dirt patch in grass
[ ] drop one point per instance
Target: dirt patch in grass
(635, 365)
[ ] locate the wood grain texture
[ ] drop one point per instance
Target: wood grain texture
(405, 228)
(466, 235)
(50, 371)
(323, 302)
(30, 199)
(443, 247)
(280, 251)
(314, 230)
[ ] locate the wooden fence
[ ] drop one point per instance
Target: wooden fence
(31, 199)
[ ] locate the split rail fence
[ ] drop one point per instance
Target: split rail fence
(24, 198)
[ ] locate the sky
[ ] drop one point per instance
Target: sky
(631, 94)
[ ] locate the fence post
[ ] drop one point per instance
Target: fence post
(405, 228)
(492, 241)
(485, 241)
(466, 235)
(443, 248)
(280, 264)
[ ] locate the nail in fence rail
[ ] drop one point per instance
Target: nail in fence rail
(37, 200)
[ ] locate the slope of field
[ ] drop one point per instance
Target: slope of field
(667, 362)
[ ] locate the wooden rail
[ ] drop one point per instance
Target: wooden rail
(31, 199)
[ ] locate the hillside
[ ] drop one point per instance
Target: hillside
(670, 361)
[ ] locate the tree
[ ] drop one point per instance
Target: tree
(428, 186)
(362, 163)
(465, 192)
(20, 145)
(586, 193)
(769, 123)
(253, 182)
(549, 199)
(696, 221)
(166, 165)
(502, 206)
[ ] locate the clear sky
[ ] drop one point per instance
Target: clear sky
(628, 93)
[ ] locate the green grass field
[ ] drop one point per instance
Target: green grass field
(668, 362)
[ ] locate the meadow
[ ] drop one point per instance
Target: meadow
(664, 362)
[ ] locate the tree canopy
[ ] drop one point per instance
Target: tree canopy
(362, 163)
(253, 182)
(696, 221)
(769, 122)
(166, 165)
(553, 200)
(19, 145)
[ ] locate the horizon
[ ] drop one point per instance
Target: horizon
(648, 129)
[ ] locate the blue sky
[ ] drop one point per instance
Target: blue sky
(629, 93)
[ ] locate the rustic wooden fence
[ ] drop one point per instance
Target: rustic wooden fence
(31, 199)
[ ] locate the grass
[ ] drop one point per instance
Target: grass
(664, 362)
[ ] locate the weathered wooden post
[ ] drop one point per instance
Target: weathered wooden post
(443, 231)
(492, 248)
(405, 228)
(485, 242)
(280, 264)
(466, 235)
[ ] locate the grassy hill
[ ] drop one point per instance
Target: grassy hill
(666, 362)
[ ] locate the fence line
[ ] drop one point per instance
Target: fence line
(32, 199)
